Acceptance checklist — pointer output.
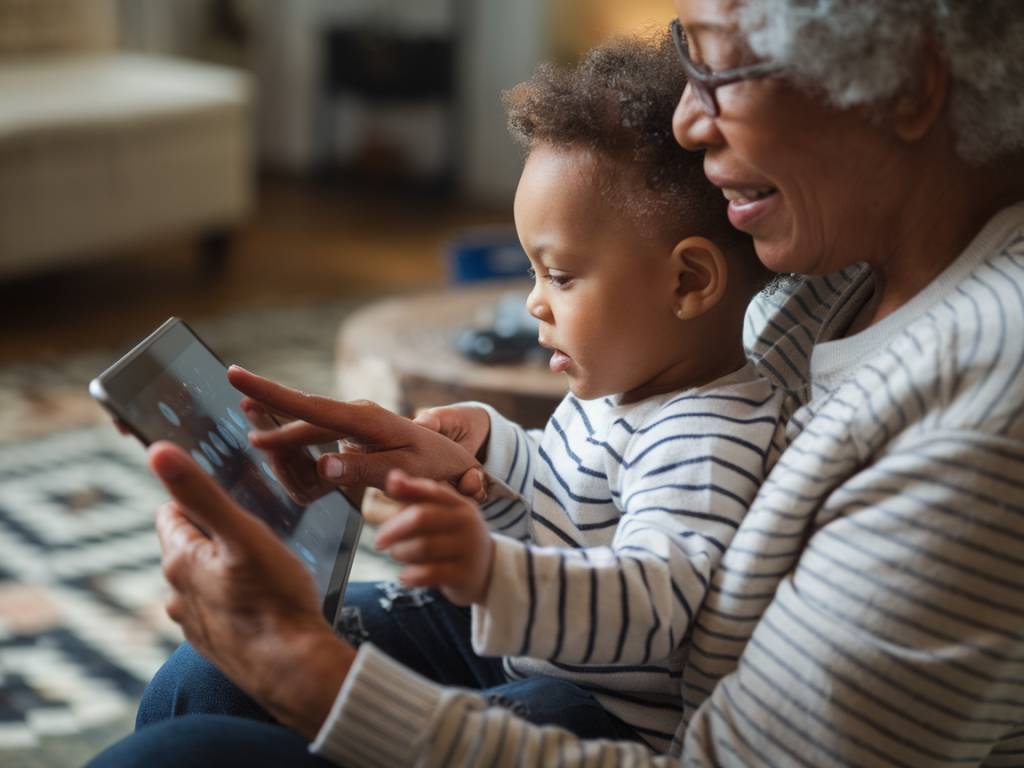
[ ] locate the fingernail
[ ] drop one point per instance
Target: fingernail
(333, 468)
(170, 465)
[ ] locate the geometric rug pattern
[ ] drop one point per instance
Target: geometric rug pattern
(82, 623)
(81, 630)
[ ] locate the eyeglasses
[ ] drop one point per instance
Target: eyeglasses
(705, 82)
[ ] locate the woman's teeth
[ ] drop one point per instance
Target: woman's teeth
(747, 195)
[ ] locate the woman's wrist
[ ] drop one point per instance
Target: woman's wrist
(304, 671)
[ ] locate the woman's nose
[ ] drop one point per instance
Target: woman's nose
(693, 128)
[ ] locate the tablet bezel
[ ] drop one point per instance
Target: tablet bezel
(111, 388)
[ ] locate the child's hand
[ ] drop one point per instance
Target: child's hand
(441, 538)
(467, 425)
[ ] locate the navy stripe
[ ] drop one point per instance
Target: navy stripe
(889, 680)
(856, 713)
(765, 735)
(1000, 397)
(719, 490)
(618, 669)
(565, 486)
(756, 450)
(528, 473)
(582, 413)
(531, 605)
(840, 563)
(553, 423)
(624, 606)
(556, 530)
(504, 510)
(560, 636)
(690, 513)
(655, 619)
(723, 398)
(695, 415)
(904, 492)
(800, 730)
(515, 522)
(515, 458)
(900, 617)
(592, 629)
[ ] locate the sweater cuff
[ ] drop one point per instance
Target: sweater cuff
(381, 715)
(501, 444)
(499, 623)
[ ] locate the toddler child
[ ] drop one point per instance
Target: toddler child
(595, 574)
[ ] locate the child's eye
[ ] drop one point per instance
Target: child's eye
(531, 273)
(559, 281)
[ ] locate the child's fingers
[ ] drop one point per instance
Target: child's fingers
(427, 549)
(403, 487)
(432, 575)
(473, 485)
(415, 520)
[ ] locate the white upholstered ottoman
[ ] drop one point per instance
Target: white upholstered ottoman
(101, 149)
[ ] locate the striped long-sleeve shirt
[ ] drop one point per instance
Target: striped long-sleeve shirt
(869, 610)
(624, 513)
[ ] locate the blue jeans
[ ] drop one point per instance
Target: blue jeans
(191, 714)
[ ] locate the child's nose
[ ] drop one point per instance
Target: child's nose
(537, 307)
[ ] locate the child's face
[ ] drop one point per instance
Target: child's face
(605, 289)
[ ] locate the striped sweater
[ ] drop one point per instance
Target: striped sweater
(625, 512)
(870, 607)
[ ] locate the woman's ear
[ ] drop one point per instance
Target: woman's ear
(701, 276)
(916, 109)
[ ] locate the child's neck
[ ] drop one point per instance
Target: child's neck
(701, 366)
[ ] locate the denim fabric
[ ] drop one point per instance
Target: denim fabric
(190, 700)
(210, 740)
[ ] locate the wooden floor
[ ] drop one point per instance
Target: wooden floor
(305, 242)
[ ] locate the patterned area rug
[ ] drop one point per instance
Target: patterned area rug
(82, 627)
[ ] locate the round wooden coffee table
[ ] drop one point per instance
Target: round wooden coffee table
(400, 353)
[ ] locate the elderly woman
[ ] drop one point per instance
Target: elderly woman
(870, 610)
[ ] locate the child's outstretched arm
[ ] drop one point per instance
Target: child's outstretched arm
(440, 537)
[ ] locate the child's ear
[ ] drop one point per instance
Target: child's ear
(701, 276)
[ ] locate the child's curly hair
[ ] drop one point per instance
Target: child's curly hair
(618, 102)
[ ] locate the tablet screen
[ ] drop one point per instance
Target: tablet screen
(172, 387)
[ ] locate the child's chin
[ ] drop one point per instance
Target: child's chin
(583, 392)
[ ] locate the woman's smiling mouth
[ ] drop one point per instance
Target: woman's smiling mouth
(746, 205)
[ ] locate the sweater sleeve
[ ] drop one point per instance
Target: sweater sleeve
(387, 716)
(511, 458)
(683, 492)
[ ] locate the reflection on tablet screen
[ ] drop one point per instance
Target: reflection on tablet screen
(190, 402)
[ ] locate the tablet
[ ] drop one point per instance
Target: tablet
(173, 387)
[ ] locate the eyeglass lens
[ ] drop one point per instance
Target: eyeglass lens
(705, 93)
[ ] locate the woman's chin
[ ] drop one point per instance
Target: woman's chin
(781, 254)
(774, 257)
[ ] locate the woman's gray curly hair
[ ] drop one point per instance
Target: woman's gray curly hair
(861, 52)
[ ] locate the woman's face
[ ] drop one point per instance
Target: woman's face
(811, 184)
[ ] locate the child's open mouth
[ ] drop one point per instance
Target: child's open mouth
(559, 361)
